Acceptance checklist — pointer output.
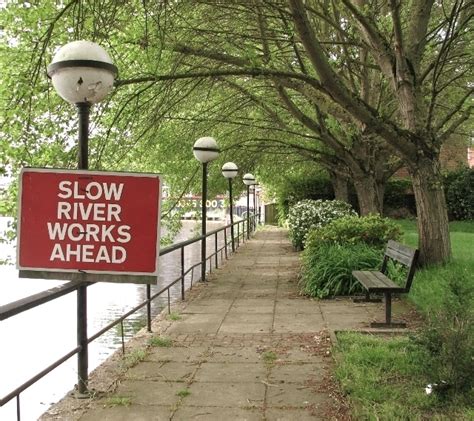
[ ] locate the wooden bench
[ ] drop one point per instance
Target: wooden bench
(378, 282)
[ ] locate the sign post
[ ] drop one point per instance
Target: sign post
(89, 225)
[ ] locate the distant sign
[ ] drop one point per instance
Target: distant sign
(86, 221)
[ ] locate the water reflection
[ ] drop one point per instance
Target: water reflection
(34, 339)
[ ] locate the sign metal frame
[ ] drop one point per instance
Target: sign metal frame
(90, 275)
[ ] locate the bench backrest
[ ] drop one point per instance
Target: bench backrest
(404, 255)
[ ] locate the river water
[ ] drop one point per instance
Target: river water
(34, 339)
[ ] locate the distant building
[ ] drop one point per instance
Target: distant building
(470, 157)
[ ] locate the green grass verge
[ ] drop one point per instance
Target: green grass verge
(384, 380)
(429, 285)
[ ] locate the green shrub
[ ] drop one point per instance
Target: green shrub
(398, 199)
(459, 187)
(310, 214)
(372, 230)
(327, 268)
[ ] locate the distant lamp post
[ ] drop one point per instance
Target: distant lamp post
(83, 74)
(258, 204)
(205, 150)
(249, 180)
(229, 171)
(255, 203)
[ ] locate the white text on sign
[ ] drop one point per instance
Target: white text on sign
(85, 222)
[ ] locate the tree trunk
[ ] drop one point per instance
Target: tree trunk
(433, 228)
(340, 187)
(369, 195)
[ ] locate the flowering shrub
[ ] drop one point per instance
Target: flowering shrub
(309, 214)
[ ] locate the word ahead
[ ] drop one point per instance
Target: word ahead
(93, 222)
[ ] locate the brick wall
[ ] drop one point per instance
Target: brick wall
(454, 154)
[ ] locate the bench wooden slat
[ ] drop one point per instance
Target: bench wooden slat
(400, 252)
(375, 281)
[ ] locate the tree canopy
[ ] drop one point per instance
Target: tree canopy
(358, 87)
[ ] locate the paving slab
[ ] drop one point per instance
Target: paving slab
(295, 396)
(234, 354)
(235, 372)
(128, 413)
(295, 373)
(210, 413)
(167, 371)
(228, 394)
(307, 414)
(298, 322)
(147, 392)
(182, 354)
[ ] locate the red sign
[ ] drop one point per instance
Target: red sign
(86, 221)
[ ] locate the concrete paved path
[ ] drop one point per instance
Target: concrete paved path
(245, 346)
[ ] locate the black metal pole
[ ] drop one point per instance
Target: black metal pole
(83, 164)
(248, 212)
(255, 208)
(204, 217)
(148, 307)
(231, 216)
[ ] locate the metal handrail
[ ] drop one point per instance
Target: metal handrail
(35, 300)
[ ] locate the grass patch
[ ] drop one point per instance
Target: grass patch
(160, 341)
(269, 357)
(384, 379)
(133, 358)
(183, 393)
(119, 401)
(430, 284)
(174, 316)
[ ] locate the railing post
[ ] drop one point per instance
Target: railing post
(238, 234)
(225, 242)
(215, 250)
(148, 307)
(122, 334)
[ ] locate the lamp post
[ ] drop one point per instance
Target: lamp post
(258, 190)
(249, 180)
(205, 150)
(82, 74)
(255, 204)
(229, 171)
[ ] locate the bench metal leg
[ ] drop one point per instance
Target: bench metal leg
(388, 314)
